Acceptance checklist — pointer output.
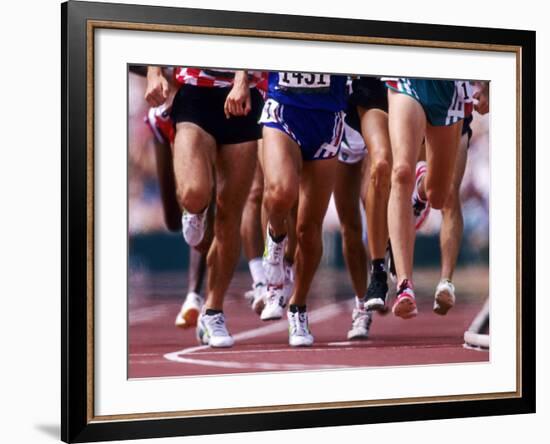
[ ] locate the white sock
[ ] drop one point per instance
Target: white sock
(257, 272)
(359, 303)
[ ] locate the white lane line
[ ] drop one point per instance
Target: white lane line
(254, 365)
(278, 350)
(321, 314)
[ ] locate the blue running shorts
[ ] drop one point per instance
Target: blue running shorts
(318, 133)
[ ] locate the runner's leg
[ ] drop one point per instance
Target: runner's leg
(407, 124)
(194, 150)
(374, 126)
(452, 224)
(282, 163)
(235, 166)
(441, 153)
(316, 186)
(347, 189)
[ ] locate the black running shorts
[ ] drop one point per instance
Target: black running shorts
(203, 106)
(369, 93)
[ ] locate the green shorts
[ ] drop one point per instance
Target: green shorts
(445, 102)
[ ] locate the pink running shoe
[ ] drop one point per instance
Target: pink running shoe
(405, 303)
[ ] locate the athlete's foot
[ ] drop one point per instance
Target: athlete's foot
(189, 312)
(193, 227)
(377, 291)
(405, 303)
(444, 297)
(421, 207)
(212, 331)
(361, 319)
(299, 334)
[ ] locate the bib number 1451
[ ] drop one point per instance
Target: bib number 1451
(303, 80)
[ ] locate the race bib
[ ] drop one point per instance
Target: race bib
(303, 80)
(269, 112)
(465, 90)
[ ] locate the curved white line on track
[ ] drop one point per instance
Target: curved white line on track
(321, 314)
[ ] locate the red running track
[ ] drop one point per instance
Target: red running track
(157, 348)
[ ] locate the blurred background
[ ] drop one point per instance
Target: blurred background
(153, 248)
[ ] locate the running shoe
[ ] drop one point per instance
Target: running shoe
(275, 273)
(193, 227)
(421, 208)
(190, 310)
(361, 319)
(256, 297)
(274, 303)
(212, 331)
(405, 303)
(159, 121)
(377, 291)
(275, 299)
(274, 260)
(444, 297)
(298, 330)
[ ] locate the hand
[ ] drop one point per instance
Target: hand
(157, 87)
(238, 101)
(481, 96)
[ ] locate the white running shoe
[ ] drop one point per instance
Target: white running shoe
(360, 324)
(405, 302)
(273, 260)
(211, 330)
(298, 330)
(193, 227)
(444, 297)
(256, 297)
(421, 208)
(274, 301)
(190, 310)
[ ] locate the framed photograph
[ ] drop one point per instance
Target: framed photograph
(275, 221)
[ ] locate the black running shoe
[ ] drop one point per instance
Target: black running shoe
(377, 292)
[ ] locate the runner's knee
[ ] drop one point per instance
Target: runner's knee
(193, 198)
(280, 197)
(403, 175)
(380, 174)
